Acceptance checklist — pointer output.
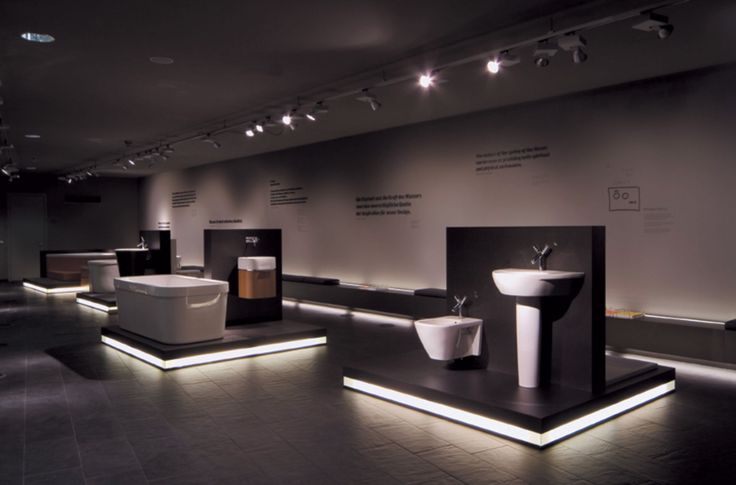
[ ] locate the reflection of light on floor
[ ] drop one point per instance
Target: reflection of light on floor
(96, 306)
(362, 315)
(684, 368)
(48, 291)
(507, 429)
(212, 356)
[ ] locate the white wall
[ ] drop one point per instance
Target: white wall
(671, 137)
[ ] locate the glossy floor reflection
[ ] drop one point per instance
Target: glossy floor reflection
(75, 411)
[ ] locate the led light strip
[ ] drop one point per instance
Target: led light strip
(48, 291)
(684, 319)
(506, 429)
(96, 306)
(213, 356)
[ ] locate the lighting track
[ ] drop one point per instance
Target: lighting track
(377, 78)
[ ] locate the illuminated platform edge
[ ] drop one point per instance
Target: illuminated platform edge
(561, 423)
(233, 346)
(54, 289)
(101, 306)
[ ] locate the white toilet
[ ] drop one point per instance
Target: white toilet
(102, 274)
(450, 337)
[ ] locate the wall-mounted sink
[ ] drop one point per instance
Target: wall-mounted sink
(531, 287)
(532, 282)
(450, 337)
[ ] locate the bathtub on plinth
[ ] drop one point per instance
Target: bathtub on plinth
(172, 309)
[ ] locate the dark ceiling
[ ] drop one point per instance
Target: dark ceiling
(94, 88)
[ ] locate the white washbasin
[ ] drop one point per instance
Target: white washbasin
(535, 283)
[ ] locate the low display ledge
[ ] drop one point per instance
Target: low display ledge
(51, 286)
(238, 342)
(104, 302)
(492, 401)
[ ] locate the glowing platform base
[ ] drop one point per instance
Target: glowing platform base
(491, 401)
(239, 342)
(104, 302)
(52, 287)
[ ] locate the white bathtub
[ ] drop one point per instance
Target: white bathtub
(172, 309)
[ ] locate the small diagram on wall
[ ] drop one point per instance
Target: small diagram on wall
(624, 199)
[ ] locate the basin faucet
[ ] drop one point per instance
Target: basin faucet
(540, 258)
(459, 302)
(142, 244)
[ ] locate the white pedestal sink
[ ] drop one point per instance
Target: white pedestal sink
(530, 286)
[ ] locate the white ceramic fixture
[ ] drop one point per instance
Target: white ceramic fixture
(102, 274)
(530, 286)
(172, 309)
(450, 337)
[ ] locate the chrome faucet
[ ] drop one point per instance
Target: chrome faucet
(459, 303)
(540, 258)
(142, 244)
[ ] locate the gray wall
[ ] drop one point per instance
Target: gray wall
(111, 223)
(670, 137)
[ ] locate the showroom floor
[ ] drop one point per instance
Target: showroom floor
(74, 411)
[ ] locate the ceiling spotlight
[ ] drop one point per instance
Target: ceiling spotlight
(69, 180)
(656, 23)
(89, 174)
(35, 37)
(259, 128)
(311, 117)
(33, 136)
(544, 51)
(370, 98)
(574, 43)
(208, 139)
(504, 59)
(168, 150)
(426, 80)
(131, 161)
(579, 56)
(249, 133)
(286, 119)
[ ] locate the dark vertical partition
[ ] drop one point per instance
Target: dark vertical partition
(222, 247)
(578, 336)
(159, 251)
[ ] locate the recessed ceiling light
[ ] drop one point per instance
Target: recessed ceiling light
(35, 37)
(33, 136)
(161, 60)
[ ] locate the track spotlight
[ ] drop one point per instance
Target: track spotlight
(656, 23)
(208, 139)
(259, 128)
(426, 80)
(286, 119)
(311, 117)
(579, 56)
(131, 161)
(370, 98)
(504, 59)
(544, 51)
(574, 43)
(250, 133)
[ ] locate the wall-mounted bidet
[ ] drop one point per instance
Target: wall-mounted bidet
(531, 288)
(451, 337)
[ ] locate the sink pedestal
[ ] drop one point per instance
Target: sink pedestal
(531, 351)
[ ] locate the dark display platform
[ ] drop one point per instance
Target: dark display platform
(50, 285)
(496, 396)
(238, 341)
(106, 302)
